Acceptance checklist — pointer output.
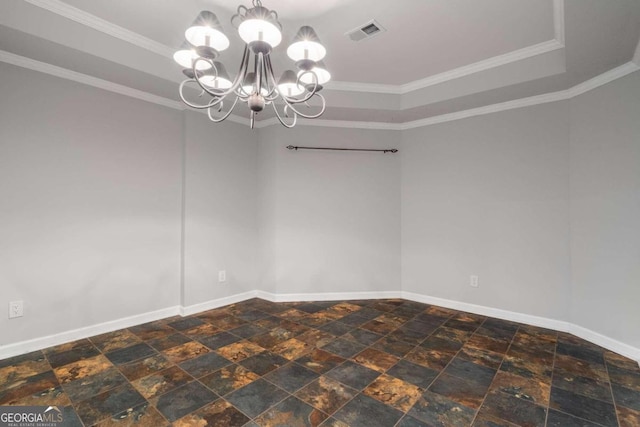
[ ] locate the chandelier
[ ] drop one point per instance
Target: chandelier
(256, 83)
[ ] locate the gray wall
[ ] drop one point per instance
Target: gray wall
(605, 209)
(489, 196)
(542, 203)
(221, 228)
(330, 221)
(89, 205)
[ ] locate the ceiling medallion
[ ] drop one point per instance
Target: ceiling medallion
(255, 84)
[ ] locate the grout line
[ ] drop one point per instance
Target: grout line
(613, 398)
(553, 370)
(504, 356)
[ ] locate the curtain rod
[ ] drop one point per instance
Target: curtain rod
(387, 150)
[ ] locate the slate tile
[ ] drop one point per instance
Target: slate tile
(470, 371)
(514, 410)
(169, 341)
(464, 391)
(27, 386)
(536, 390)
(129, 354)
(326, 394)
(438, 411)
(161, 382)
(217, 414)
(394, 392)
(291, 413)
(353, 375)
(594, 388)
(152, 330)
(186, 323)
(560, 419)
(364, 411)
(344, 348)
(414, 374)
(143, 415)
(143, 367)
(392, 345)
(108, 404)
(203, 365)
(582, 353)
(63, 358)
(220, 340)
(264, 362)
(584, 407)
(115, 340)
(185, 352)
(228, 379)
(320, 361)
(256, 397)
(626, 397)
(183, 400)
(82, 369)
(624, 377)
(89, 386)
(249, 330)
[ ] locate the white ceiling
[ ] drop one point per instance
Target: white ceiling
(437, 56)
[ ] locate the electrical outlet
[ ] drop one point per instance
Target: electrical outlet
(16, 309)
(473, 281)
(222, 276)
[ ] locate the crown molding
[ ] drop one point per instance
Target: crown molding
(467, 70)
(487, 64)
(81, 17)
(78, 15)
(63, 73)
(558, 21)
(497, 61)
(603, 79)
(600, 80)
(489, 109)
(43, 67)
(364, 87)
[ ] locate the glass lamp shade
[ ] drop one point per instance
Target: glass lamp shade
(252, 30)
(222, 81)
(288, 84)
(321, 72)
(306, 45)
(207, 31)
(186, 55)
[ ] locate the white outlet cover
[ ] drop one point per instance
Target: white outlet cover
(473, 281)
(16, 309)
(222, 276)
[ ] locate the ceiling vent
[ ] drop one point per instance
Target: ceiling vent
(366, 31)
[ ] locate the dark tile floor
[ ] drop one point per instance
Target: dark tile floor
(357, 363)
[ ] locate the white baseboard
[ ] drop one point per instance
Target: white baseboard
(89, 331)
(217, 303)
(28, 346)
(606, 342)
(529, 319)
(543, 322)
(328, 296)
